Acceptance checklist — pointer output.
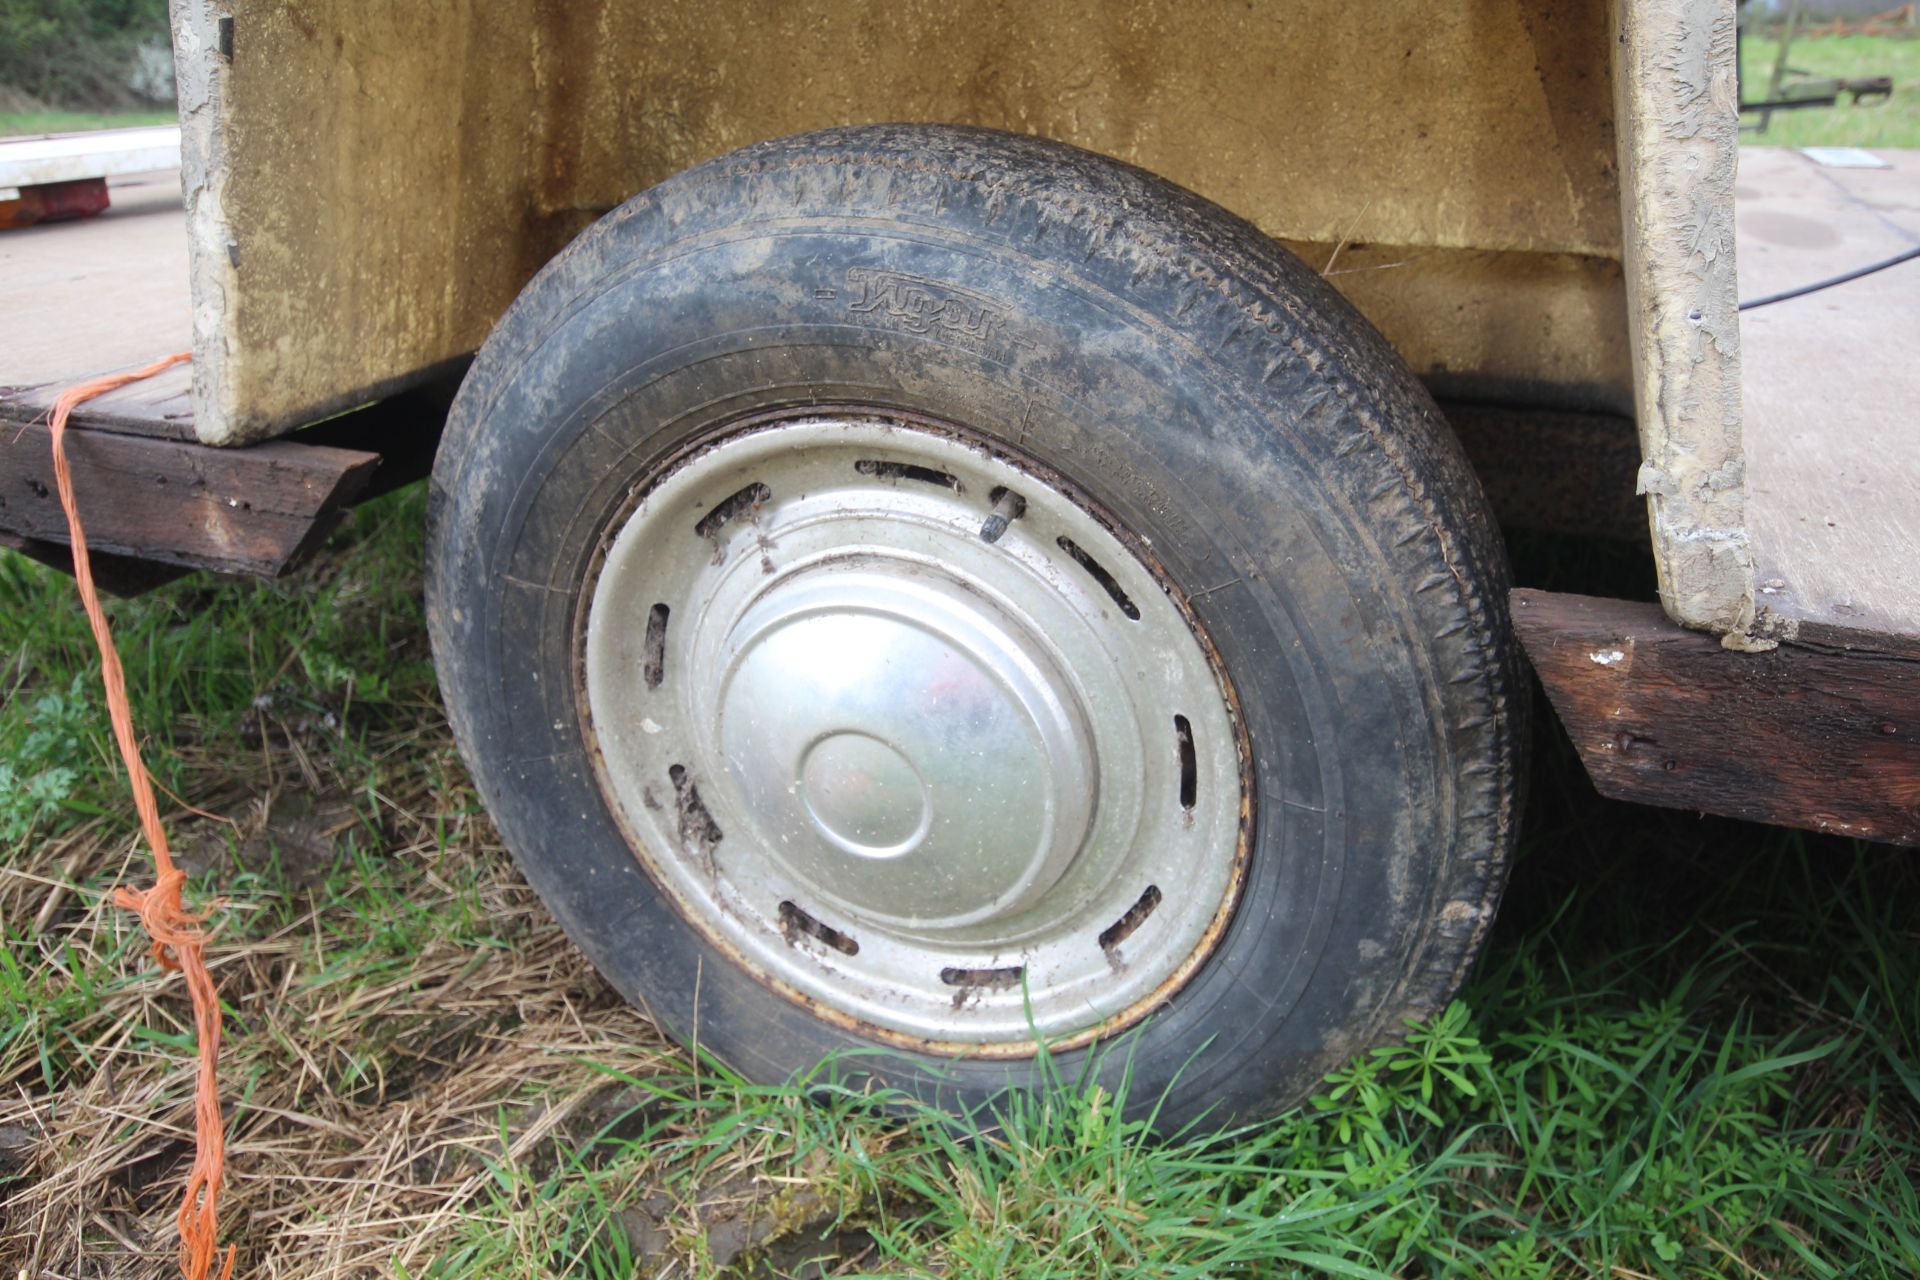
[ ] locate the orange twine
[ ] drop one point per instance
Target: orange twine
(177, 938)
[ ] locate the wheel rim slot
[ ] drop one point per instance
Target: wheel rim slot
(1098, 572)
(885, 470)
(1135, 916)
(1007, 977)
(794, 921)
(699, 833)
(1189, 768)
(747, 501)
(654, 662)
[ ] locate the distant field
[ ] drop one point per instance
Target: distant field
(1895, 123)
(17, 122)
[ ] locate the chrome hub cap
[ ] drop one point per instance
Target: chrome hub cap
(905, 730)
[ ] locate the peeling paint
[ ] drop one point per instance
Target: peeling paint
(1677, 113)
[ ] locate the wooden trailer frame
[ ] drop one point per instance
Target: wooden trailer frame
(1533, 201)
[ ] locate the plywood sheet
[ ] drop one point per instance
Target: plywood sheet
(1832, 395)
(380, 179)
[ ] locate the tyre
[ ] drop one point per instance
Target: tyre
(934, 592)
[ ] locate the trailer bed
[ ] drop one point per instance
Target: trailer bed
(82, 298)
(1832, 394)
(107, 294)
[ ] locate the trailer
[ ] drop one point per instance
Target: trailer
(960, 529)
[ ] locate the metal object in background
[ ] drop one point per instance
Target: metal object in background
(1792, 89)
(61, 176)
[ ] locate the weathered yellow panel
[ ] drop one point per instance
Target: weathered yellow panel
(376, 181)
(1545, 329)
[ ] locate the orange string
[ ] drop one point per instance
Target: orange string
(177, 938)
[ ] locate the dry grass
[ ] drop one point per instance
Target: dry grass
(416, 1064)
(365, 1079)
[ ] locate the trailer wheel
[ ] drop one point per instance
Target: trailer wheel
(937, 593)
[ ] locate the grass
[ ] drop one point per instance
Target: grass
(1693, 1048)
(28, 122)
(1894, 123)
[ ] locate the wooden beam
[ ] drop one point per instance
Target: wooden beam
(255, 510)
(1801, 737)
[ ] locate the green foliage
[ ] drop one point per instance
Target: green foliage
(1623, 1141)
(44, 756)
(1893, 123)
(328, 653)
(73, 53)
(30, 122)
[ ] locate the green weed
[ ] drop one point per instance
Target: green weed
(17, 123)
(212, 665)
(1623, 1142)
(42, 760)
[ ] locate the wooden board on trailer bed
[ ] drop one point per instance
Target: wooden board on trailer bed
(1832, 396)
(79, 299)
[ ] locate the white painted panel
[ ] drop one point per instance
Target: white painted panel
(26, 162)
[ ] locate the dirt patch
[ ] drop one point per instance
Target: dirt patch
(290, 834)
(750, 1225)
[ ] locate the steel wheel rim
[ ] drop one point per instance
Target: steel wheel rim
(902, 726)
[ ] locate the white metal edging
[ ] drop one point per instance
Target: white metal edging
(28, 162)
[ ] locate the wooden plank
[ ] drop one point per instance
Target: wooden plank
(253, 510)
(1665, 716)
(1833, 473)
(160, 406)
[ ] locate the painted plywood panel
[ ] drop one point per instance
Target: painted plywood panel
(371, 184)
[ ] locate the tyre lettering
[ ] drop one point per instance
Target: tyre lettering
(921, 305)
